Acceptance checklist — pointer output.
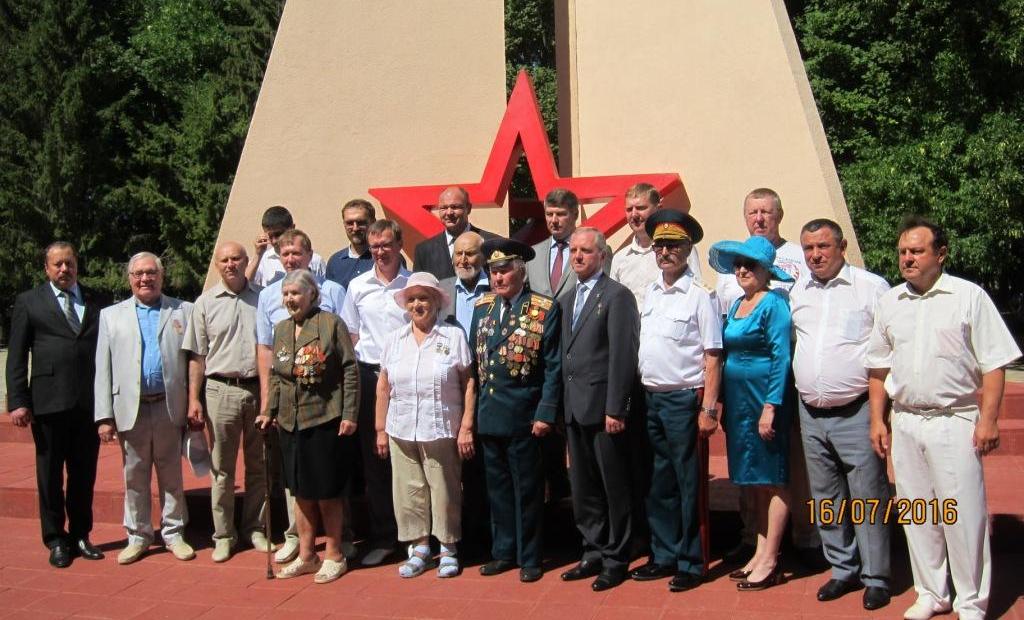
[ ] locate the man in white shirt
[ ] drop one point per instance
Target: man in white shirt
(371, 315)
(267, 267)
(833, 310)
(937, 340)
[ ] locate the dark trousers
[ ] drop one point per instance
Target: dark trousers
(600, 476)
(376, 471)
(515, 488)
(672, 508)
(476, 510)
(66, 439)
(641, 464)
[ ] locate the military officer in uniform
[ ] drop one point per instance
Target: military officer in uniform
(515, 339)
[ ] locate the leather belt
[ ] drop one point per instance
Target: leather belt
(842, 411)
(373, 367)
(236, 381)
(152, 398)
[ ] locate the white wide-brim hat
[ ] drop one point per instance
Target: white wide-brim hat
(422, 279)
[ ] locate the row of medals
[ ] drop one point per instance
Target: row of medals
(522, 346)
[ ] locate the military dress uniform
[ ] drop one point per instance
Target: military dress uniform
(518, 370)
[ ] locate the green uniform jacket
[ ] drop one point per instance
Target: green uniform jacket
(517, 363)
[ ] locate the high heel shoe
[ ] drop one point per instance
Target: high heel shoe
(774, 578)
(739, 574)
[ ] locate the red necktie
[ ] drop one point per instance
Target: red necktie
(556, 269)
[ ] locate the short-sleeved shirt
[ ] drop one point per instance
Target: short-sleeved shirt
(223, 329)
(271, 269)
(344, 265)
(370, 311)
(636, 267)
(938, 344)
(832, 322)
(270, 310)
(678, 324)
(789, 257)
(427, 400)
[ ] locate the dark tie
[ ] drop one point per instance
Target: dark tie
(556, 269)
(70, 314)
(506, 307)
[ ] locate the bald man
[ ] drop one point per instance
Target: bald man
(221, 341)
(435, 255)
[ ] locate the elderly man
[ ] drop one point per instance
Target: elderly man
(221, 341)
(435, 255)
(296, 252)
(371, 314)
(937, 340)
(57, 323)
(141, 399)
(268, 266)
(347, 263)
(600, 336)
(833, 311)
(469, 282)
(515, 337)
(680, 367)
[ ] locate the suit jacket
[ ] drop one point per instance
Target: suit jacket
(63, 364)
(599, 357)
(539, 273)
(335, 395)
(432, 255)
(510, 400)
(119, 361)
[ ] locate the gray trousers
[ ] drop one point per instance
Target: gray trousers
(842, 467)
(153, 442)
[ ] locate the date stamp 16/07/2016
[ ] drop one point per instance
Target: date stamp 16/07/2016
(899, 510)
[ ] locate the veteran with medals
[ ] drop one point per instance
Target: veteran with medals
(515, 340)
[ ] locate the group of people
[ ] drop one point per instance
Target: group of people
(451, 395)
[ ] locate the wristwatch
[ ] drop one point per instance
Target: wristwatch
(711, 412)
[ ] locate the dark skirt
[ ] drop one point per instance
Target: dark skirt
(316, 462)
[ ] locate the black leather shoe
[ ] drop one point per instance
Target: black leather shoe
(608, 579)
(876, 597)
(530, 574)
(60, 555)
(583, 570)
(87, 550)
(834, 588)
(739, 574)
(684, 581)
(652, 571)
(496, 567)
(740, 554)
(774, 578)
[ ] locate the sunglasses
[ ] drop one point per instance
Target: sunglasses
(747, 263)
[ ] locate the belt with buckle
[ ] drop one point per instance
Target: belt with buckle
(840, 411)
(236, 381)
(152, 398)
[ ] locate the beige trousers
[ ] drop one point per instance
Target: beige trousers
(426, 485)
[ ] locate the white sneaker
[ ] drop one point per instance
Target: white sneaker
(259, 542)
(182, 550)
(288, 551)
(222, 548)
(924, 609)
(131, 553)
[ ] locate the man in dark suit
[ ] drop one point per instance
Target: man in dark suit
(57, 323)
(514, 336)
(600, 337)
(435, 254)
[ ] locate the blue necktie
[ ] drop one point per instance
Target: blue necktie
(581, 298)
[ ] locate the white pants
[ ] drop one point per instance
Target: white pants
(934, 458)
(153, 442)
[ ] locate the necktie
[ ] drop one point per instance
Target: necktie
(70, 314)
(581, 299)
(506, 307)
(556, 269)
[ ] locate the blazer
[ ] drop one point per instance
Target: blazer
(63, 364)
(336, 395)
(119, 362)
(432, 255)
(599, 357)
(538, 272)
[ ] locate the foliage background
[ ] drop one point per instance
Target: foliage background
(121, 124)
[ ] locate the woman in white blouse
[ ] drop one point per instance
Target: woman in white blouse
(426, 397)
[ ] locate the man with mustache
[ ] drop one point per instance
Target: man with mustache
(435, 255)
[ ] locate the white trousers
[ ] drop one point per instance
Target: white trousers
(153, 442)
(934, 458)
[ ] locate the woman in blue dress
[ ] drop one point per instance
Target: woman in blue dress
(756, 340)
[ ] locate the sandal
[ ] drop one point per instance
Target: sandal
(419, 561)
(331, 570)
(299, 567)
(448, 565)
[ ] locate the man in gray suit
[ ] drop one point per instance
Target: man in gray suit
(141, 399)
(600, 337)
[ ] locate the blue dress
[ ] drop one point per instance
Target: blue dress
(757, 354)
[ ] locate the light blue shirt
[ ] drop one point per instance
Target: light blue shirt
(465, 300)
(152, 363)
(270, 310)
(583, 291)
(76, 299)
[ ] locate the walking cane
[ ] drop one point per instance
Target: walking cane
(266, 499)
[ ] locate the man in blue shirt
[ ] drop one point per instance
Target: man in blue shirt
(470, 281)
(347, 263)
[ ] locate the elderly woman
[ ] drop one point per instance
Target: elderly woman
(425, 403)
(313, 401)
(756, 339)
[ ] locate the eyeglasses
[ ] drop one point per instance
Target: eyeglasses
(671, 246)
(450, 208)
(746, 263)
(141, 273)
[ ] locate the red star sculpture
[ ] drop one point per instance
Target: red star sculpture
(521, 130)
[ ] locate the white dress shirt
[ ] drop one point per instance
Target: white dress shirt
(937, 345)
(76, 299)
(677, 325)
(635, 268)
(271, 270)
(370, 311)
(426, 382)
(832, 323)
(789, 257)
(270, 308)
